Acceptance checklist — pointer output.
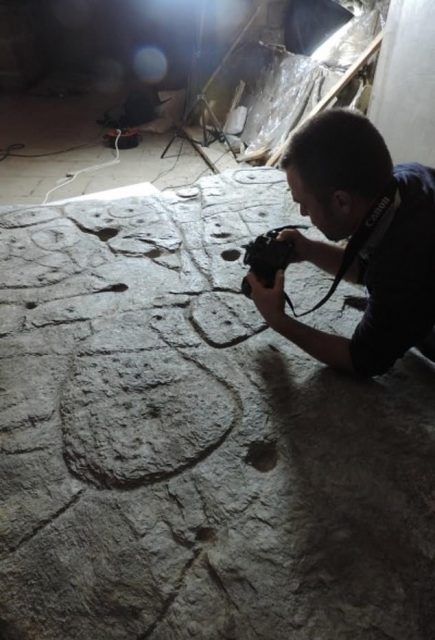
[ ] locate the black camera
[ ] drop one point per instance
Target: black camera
(265, 256)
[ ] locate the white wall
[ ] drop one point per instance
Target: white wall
(403, 99)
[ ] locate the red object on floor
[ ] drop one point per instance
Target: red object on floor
(128, 139)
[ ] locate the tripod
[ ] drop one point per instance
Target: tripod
(212, 132)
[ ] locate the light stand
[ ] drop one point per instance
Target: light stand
(212, 132)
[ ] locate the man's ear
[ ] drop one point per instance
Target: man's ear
(343, 201)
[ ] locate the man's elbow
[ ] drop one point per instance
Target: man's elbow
(371, 369)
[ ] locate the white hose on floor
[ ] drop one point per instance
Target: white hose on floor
(92, 168)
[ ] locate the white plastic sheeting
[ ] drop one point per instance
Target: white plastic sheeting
(289, 87)
(343, 48)
(286, 89)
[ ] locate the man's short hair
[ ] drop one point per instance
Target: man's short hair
(340, 149)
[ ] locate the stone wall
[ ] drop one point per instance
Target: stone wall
(20, 61)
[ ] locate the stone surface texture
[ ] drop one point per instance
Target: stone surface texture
(172, 469)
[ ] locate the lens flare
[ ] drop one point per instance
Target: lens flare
(150, 64)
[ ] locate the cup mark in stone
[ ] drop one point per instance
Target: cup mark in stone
(107, 234)
(118, 287)
(230, 255)
(206, 534)
(263, 456)
(221, 234)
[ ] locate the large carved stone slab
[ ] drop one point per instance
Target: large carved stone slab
(171, 469)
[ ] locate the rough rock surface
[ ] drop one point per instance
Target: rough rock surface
(171, 469)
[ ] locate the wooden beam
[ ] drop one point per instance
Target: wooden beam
(347, 77)
(251, 156)
(197, 147)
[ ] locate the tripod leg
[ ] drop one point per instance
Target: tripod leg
(198, 149)
(177, 134)
(219, 133)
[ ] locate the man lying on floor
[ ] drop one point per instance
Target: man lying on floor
(340, 172)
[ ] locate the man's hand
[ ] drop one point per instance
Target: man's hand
(323, 255)
(269, 302)
(331, 349)
(300, 244)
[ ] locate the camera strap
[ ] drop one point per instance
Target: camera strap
(377, 212)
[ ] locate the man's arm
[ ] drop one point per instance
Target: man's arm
(327, 257)
(330, 349)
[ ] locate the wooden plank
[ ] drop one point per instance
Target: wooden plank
(220, 156)
(217, 156)
(252, 156)
(187, 131)
(347, 77)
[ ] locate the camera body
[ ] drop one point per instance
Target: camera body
(265, 256)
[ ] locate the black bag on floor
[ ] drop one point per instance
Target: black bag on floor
(140, 107)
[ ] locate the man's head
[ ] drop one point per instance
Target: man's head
(337, 164)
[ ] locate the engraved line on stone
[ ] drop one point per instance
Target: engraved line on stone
(103, 234)
(172, 597)
(47, 521)
(9, 224)
(222, 345)
(217, 580)
(19, 452)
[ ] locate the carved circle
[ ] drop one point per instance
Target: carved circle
(131, 418)
(56, 237)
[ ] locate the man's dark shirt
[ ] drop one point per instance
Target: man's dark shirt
(400, 277)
